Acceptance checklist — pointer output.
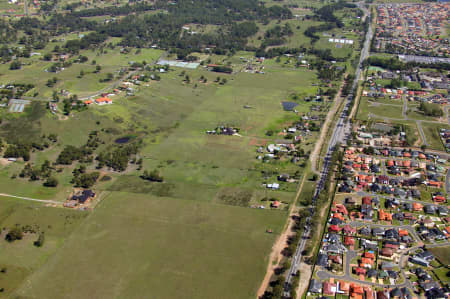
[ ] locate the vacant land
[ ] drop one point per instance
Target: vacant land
(198, 250)
(194, 231)
(442, 254)
(431, 131)
(375, 110)
(20, 258)
(201, 231)
(171, 117)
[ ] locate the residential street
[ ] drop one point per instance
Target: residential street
(325, 275)
(447, 181)
(363, 193)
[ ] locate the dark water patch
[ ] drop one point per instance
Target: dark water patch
(122, 140)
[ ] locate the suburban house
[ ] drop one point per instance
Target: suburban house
(103, 101)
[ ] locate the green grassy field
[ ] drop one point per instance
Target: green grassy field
(378, 110)
(295, 40)
(196, 234)
(21, 258)
(414, 113)
(442, 254)
(137, 244)
(431, 131)
(171, 118)
(179, 114)
(442, 274)
(195, 230)
(111, 61)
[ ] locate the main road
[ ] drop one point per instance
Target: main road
(340, 133)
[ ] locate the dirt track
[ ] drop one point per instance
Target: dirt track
(280, 243)
(317, 148)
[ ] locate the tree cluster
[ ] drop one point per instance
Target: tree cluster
(18, 150)
(83, 154)
(430, 109)
(84, 179)
(153, 176)
(118, 158)
(15, 233)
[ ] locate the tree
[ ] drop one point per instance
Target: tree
(50, 83)
(15, 65)
(369, 150)
(82, 59)
(86, 180)
(140, 162)
(47, 57)
(98, 68)
(51, 182)
(286, 265)
(153, 176)
(430, 109)
(279, 287)
(55, 96)
(40, 241)
(15, 233)
(69, 154)
(18, 150)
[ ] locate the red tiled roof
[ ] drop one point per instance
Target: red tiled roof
(369, 255)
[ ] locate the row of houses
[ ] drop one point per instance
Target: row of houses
(99, 101)
(445, 138)
(354, 290)
(400, 178)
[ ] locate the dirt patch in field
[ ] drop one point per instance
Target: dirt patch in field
(62, 117)
(4, 161)
(235, 196)
(305, 272)
(257, 142)
(276, 255)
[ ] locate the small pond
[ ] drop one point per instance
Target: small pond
(122, 140)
